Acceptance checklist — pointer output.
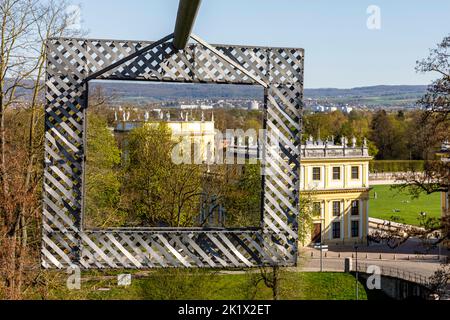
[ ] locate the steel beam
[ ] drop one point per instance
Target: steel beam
(187, 13)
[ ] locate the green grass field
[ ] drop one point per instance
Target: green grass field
(392, 203)
(203, 285)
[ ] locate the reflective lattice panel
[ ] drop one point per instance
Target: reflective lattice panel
(72, 62)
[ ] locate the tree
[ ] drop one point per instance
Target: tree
(185, 191)
(24, 26)
(382, 134)
(157, 191)
(435, 124)
(103, 185)
(437, 99)
(388, 135)
(241, 195)
(325, 125)
(272, 277)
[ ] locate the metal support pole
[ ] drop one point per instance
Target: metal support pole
(321, 261)
(357, 275)
(440, 252)
(187, 13)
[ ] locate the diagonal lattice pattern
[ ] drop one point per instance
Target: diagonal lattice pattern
(65, 242)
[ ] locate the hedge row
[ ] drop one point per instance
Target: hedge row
(396, 165)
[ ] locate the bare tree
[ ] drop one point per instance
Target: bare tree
(435, 124)
(271, 278)
(433, 129)
(437, 99)
(438, 283)
(25, 25)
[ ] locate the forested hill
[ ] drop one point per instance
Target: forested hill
(366, 91)
(376, 95)
(163, 91)
(140, 92)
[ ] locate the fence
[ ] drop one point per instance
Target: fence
(397, 273)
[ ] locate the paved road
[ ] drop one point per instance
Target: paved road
(413, 257)
(411, 247)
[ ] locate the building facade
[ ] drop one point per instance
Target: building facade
(335, 183)
(197, 138)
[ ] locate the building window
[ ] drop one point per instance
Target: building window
(336, 208)
(336, 230)
(355, 208)
(317, 209)
(337, 173)
(316, 174)
(355, 229)
(355, 173)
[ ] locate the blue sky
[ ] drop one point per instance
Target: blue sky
(341, 51)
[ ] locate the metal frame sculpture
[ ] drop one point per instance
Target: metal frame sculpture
(72, 63)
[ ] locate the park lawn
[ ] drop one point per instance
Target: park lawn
(408, 210)
(203, 285)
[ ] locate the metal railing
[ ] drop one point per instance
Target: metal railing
(334, 152)
(397, 273)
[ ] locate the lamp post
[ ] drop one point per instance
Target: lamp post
(357, 275)
(323, 248)
(321, 257)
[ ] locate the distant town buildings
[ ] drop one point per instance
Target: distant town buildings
(336, 179)
(196, 107)
(323, 109)
(209, 104)
(253, 106)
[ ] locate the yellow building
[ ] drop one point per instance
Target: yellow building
(198, 137)
(335, 180)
